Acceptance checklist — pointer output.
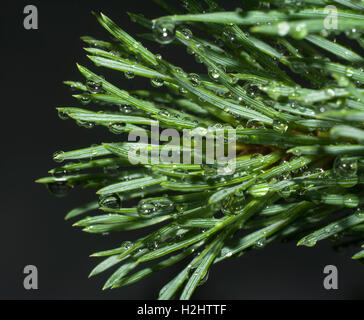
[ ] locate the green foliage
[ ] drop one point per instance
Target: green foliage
(294, 92)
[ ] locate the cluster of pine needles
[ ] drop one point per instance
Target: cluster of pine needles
(292, 89)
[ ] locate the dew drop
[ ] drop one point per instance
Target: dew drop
(58, 189)
(204, 279)
(198, 58)
(359, 213)
(279, 126)
(129, 75)
(226, 252)
(85, 99)
(182, 90)
(195, 79)
(213, 73)
(164, 30)
(330, 93)
(111, 202)
(152, 244)
(179, 70)
(112, 170)
(349, 72)
(59, 172)
(298, 67)
(85, 124)
(283, 28)
(254, 124)
(297, 152)
(260, 244)
(63, 115)
(300, 31)
(56, 156)
(187, 33)
(309, 242)
(94, 86)
(345, 167)
(126, 109)
(181, 208)
(127, 245)
(157, 82)
(351, 201)
(116, 128)
(151, 207)
(190, 51)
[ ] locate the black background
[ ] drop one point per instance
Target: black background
(32, 228)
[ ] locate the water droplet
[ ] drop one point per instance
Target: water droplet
(209, 169)
(126, 109)
(94, 86)
(58, 189)
(59, 172)
(279, 126)
(300, 31)
(261, 191)
(297, 152)
(164, 113)
(152, 207)
(342, 81)
(257, 157)
(187, 33)
(85, 124)
(111, 202)
(179, 70)
(129, 75)
(353, 34)
(349, 72)
(233, 204)
(274, 93)
(309, 242)
(56, 156)
(359, 213)
(264, 5)
(112, 170)
(153, 244)
(227, 168)
(183, 90)
(127, 245)
(298, 67)
(195, 79)
(330, 93)
(283, 28)
(85, 99)
(190, 51)
(157, 82)
(351, 200)
(198, 58)
(117, 128)
(203, 279)
(229, 36)
(252, 90)
(213, 73)
(225, 252)
(345, 167)
(164, 30)
(63, 115)
(255, 124)
(260, 244)
(181, 207)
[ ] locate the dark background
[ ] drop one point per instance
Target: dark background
(32, 228)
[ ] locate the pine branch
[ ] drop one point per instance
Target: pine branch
(292, 90)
